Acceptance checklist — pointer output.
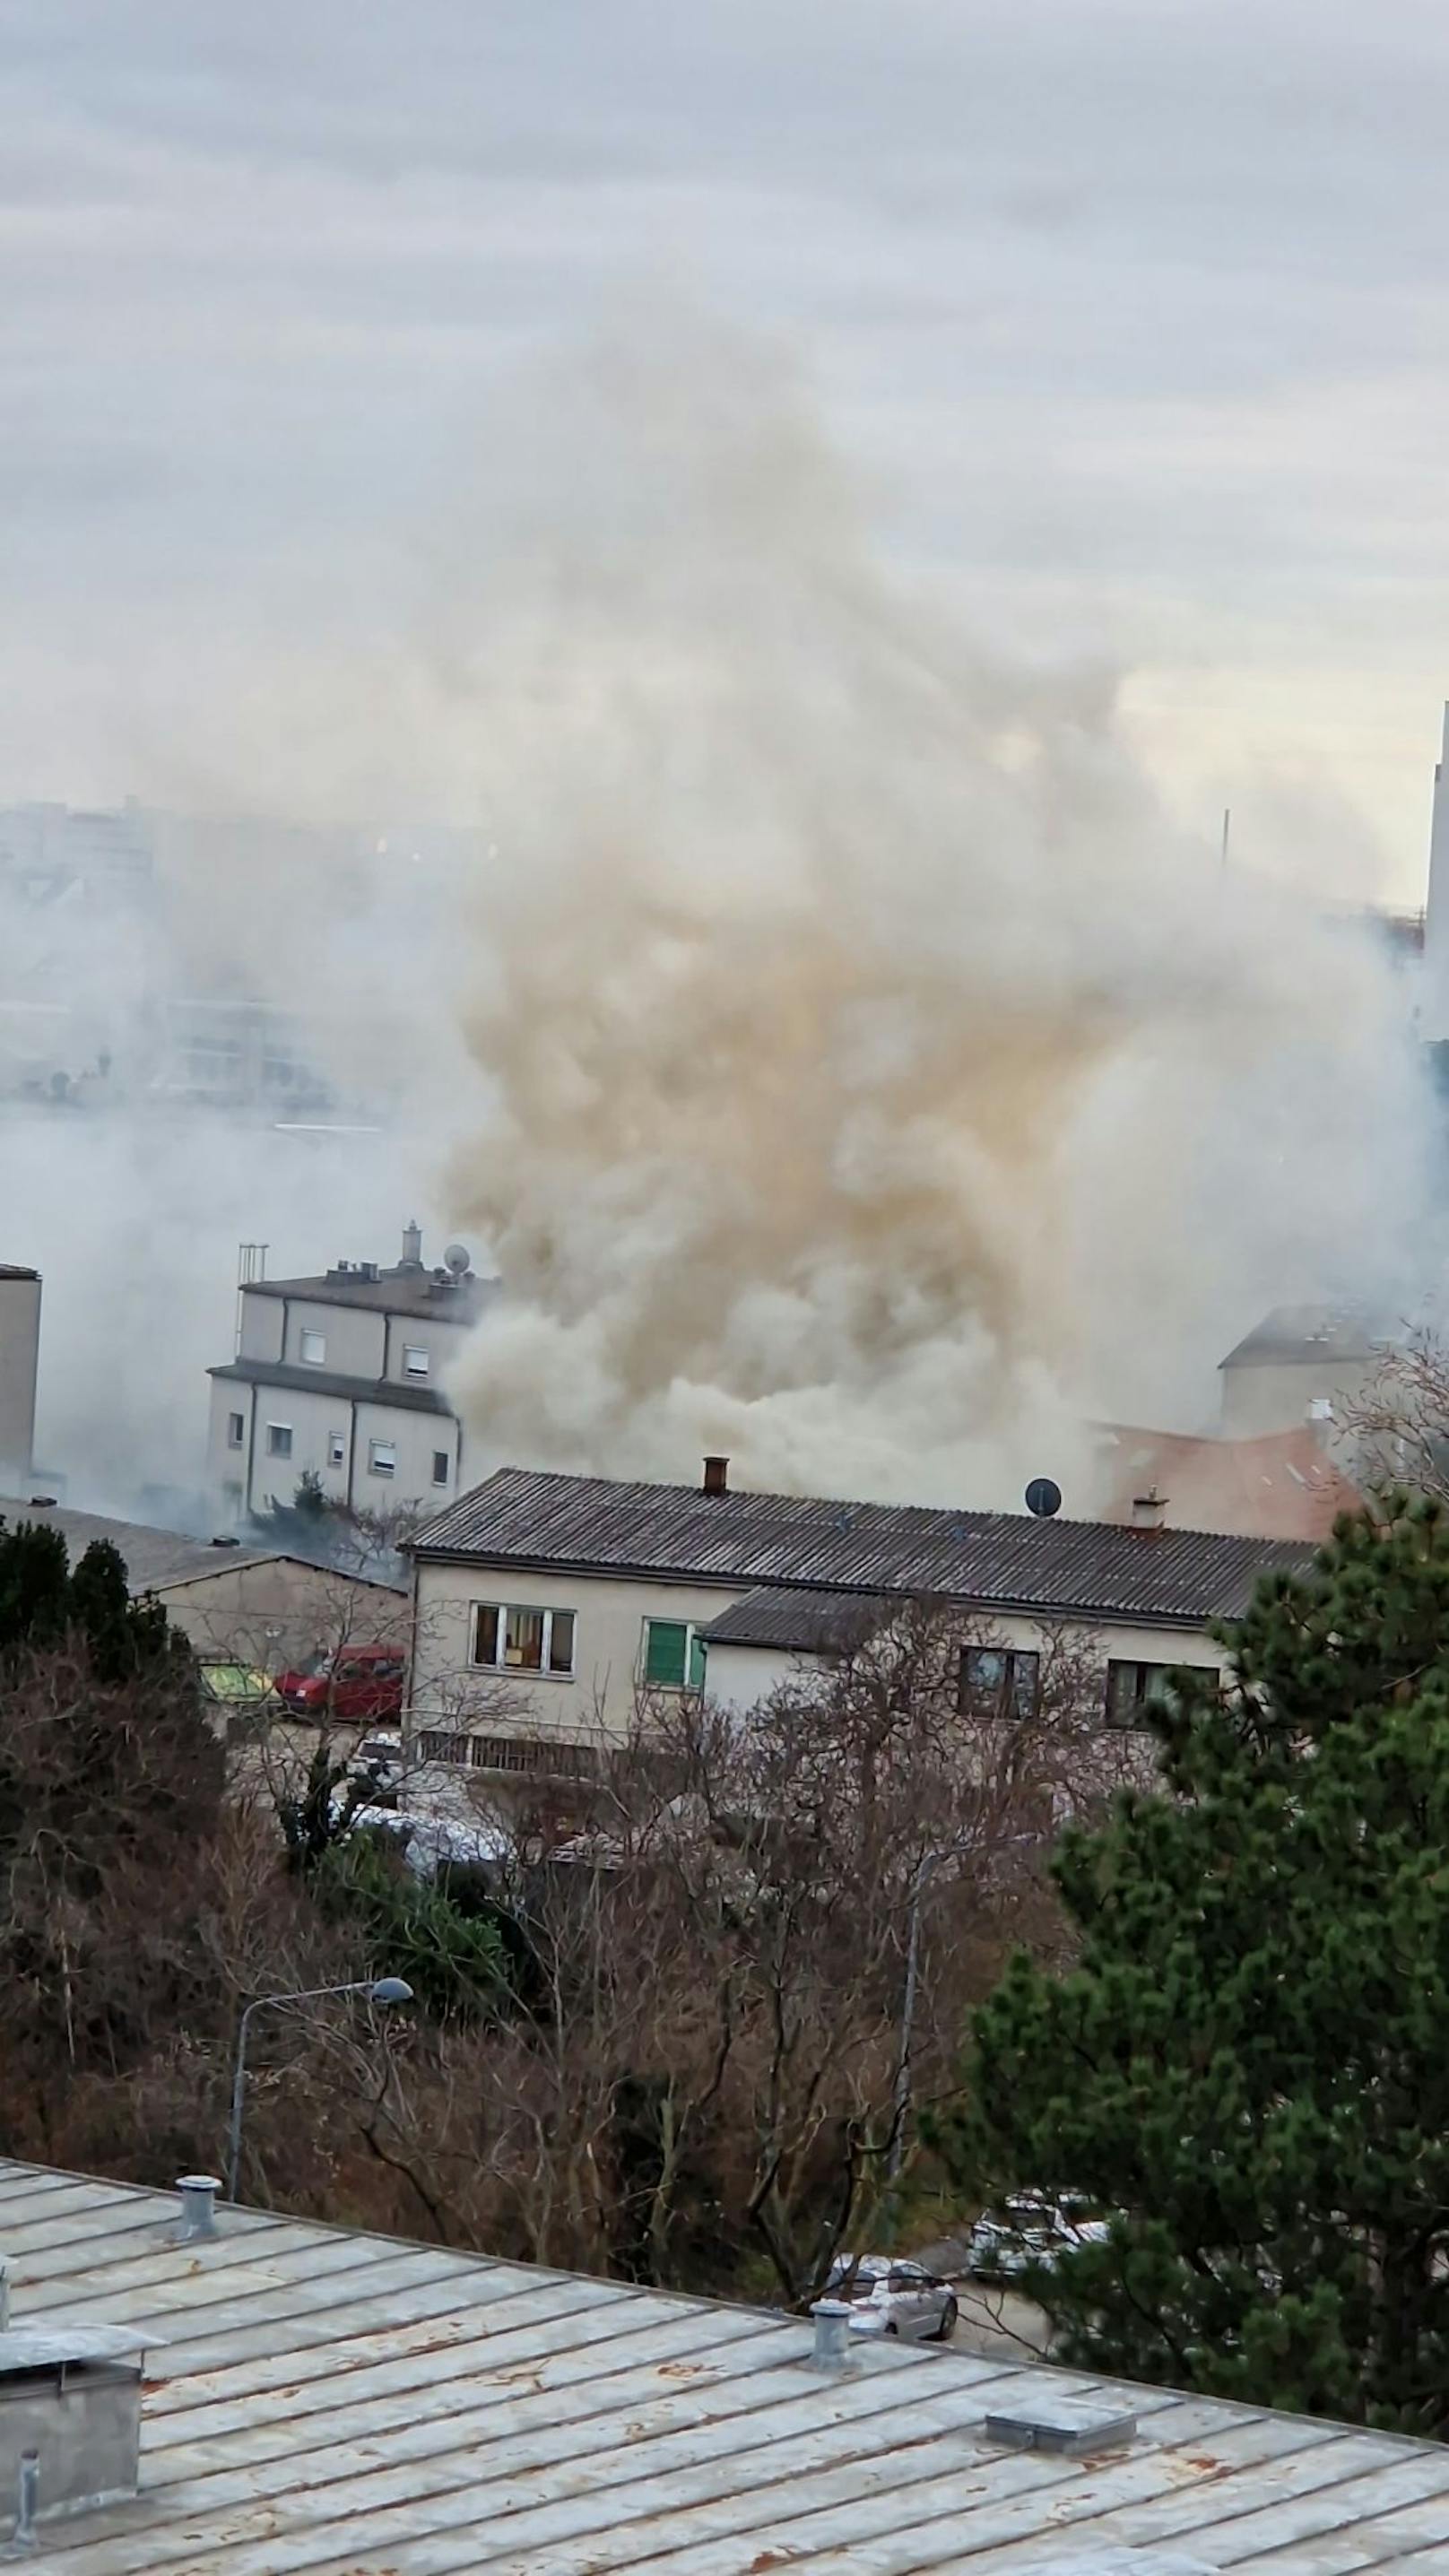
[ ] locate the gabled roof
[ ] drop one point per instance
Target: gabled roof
(1306, 1334)
(1279, 1484)
(315, 2398)
(998, 1560)
(289, 1379)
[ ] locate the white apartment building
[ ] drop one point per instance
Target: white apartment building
(344, 1377)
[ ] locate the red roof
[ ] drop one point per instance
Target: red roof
(1281, 1485)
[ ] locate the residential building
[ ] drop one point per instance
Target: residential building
(1301, 1364)
(343, 1377)
(19, 1368)
(316, 2398)
(1281, 1484)
(545, 1605)
(236, 1604)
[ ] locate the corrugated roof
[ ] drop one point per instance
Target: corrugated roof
(802, 1621)
(289, 1380)
(333, 2402)
(998, 1560)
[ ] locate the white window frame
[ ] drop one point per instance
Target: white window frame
(279, 1447)
(417, 1362)
(544, 1671)
(373, 1467)
(336, 1448)
(314, 1358)
(695, 1643)
(236, 1430)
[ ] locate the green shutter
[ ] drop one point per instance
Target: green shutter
(696, 1660)
(664, 1643)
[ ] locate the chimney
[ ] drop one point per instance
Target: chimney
(831, 2348)
(198, 2207)
(412, 1251)
(716, 1475)
(1149, 1510)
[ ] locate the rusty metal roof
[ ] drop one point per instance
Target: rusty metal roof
(999, 1560)
(357, 2406)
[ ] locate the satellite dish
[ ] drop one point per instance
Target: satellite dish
(459, 1260)
(1043, 1497)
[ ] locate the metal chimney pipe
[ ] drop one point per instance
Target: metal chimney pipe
(24, 2536)
(198, 2206)
(831, 2349)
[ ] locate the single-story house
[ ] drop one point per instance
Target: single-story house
(546, 1604)
(236, 1603)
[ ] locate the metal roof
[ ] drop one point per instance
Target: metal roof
(291, 1380)
(358, 2406)
(998, 1560)
(154, 1558)
(1307, 1333)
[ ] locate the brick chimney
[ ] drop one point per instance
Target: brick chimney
(716, 1475)
(1149, 1510)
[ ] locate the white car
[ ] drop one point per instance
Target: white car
(1028, 2228)
(887, 2296)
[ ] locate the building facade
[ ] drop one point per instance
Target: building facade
(343, 1377)
(548, 1608)
(19, 1369)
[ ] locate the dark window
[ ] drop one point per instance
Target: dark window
(440, 1466)
(236, 1429)
(999, 1681)
(436, 1747)
(1133, 1690)
(279, 1440)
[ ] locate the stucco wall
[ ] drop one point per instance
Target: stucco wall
(741, 1676)
(252, 1476)
(1275, 1395)
(278, 1610)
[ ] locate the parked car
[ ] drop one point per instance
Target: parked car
(357, 1685)
(1030, 2227)
(890, 2297)
(239, 1698)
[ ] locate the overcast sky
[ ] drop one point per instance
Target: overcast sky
(1133, 311)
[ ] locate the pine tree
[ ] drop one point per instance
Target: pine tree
(1249, 2060)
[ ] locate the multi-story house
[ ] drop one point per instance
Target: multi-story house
(344, 1377)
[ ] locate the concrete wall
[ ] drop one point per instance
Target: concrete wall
(608, 1647)
(358, 1341)
(19, 1363)
(277, 1611)
(1275, 1395)
(247, 1476)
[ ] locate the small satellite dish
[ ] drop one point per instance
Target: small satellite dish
(1043, 1497)
(459, 1260)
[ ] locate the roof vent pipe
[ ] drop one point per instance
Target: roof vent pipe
(198, 2206)
(1149, 1510)
(716, 1475)
(831, 2348)
(28, 2502)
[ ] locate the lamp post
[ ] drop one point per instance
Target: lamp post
(930, 1862)
(378, 1990)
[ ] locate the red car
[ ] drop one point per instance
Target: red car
(356, 1684)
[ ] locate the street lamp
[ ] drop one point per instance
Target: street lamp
(929, 1864)
(378, 1990)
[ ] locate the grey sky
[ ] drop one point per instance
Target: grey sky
(1133, 311)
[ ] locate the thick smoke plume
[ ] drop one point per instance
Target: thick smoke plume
(882, 1085)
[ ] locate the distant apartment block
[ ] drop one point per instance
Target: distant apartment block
(343, 1377)
(19, 1367)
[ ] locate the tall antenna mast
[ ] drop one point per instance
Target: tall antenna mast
(1227, 827)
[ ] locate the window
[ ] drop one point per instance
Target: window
(674, 1655)
(436, 1747)
(279, 1440)
(313, 1347)
(236, 1430)
(382, 1458)
(440, 1466)
(336, 1448)
(415, 1360)
(530, 1753)
(998, 1681)
(1134, 1689)
(522, 1641)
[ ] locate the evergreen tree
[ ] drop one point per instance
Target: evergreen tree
(1249, 2061)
